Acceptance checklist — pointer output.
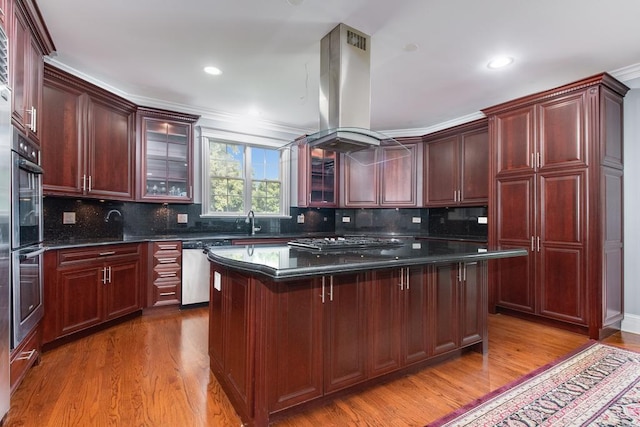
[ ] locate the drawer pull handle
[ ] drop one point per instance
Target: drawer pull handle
(167, 274)
(26, 355)
(166, 294)
(166, 260)
(107, 253)
(168, 247)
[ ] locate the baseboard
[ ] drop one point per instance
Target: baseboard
(631, 323)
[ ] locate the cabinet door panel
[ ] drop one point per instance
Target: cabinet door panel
(399, 176)
(294, 351)
(361, 179)
(562, 284)
(562, 202)
(110, 152)
(416, 317)
(513, 136)
(442, 170)
(474, 173)
(81, 303)
(562, 140)
(384, 321)
(122, 291)
(472, 305)
(36, 65)
(445, 297)
(19, 66)
(515, 214)
(345, 332)
(62, 151)
(217, 283)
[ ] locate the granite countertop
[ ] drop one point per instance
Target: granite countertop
(281, 262)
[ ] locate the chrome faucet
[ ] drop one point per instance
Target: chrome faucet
(251, 220)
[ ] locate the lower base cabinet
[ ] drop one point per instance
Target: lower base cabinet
(24, 356)
(88, 286)
(277, 345)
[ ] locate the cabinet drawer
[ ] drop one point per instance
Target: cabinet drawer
(72, 256)
(167, 293)
(167, 246)
(164, 274)
(26, 355)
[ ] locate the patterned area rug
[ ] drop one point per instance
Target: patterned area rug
(597, 386)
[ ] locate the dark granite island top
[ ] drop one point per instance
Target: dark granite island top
(281, 262)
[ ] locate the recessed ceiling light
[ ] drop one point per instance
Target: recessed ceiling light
(500, 62)
(214, 71)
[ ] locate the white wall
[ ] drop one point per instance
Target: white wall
(631, 322)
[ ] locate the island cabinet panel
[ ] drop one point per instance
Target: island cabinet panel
(345, 331)
(86, 287)
(551, 156)
(383, 177)
(457, 166)
(459, 305)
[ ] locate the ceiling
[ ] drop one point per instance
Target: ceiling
(153, 52)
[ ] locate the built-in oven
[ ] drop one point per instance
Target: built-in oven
(26, 239)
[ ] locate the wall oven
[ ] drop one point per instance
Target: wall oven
(26, 242)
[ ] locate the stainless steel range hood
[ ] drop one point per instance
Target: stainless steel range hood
(345, 95)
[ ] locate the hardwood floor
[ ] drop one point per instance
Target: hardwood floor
(154, 371)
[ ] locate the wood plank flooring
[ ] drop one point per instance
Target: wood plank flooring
(154, 371)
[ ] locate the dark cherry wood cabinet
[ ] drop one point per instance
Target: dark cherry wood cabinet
(165, 275)
(87, 139)
(557, 167)
(165, 153)
(24, 356)
(383, 177)
(275, 345)
(29, 41)
(317, 177)
(86, 287)
(460, 309)
(457, 166)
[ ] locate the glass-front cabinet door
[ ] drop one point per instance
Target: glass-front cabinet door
(317, 177)
(166, 156)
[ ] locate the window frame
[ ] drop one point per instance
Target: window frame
(245, 140)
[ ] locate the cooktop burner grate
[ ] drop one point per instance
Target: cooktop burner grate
(340, 243)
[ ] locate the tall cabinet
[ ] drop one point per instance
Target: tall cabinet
(556, 166)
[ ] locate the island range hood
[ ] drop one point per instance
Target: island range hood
(345, 93)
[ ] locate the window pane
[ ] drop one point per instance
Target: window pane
(226, 195)
(265, 196)
(265, 163)
(226, 159)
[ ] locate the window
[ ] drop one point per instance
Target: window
(241, 177)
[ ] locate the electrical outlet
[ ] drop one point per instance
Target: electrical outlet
(346, 219)
(482, 220)
(300, 219)
(416, 220)
(183, 218)
(68, 217)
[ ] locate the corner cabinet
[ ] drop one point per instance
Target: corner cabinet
(383, 177)
(317, 177)
(87, 139)
(457, 166)
(29, 41)
(89, 286)
(557, 187)
(165, 150)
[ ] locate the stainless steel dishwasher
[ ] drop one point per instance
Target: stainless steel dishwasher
(196, 270)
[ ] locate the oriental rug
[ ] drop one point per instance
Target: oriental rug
(599, 385)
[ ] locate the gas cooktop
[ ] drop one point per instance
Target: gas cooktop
(340, 243)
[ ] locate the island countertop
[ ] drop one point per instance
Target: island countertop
(282, 262)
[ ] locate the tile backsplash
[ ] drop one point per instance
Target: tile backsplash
(97, 219)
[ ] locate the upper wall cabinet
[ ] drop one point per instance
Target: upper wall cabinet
(165, 147)
(87, 139)
(317, 177)
(29, 41)
(457, 166)
(384, 177)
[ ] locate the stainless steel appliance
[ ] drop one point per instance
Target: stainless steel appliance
(196, 270)
(27, 249)
(5, 226)
(340, 243)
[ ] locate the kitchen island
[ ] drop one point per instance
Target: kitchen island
(290, 325)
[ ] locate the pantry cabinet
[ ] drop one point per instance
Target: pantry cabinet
(557, 185)
(457, 166)
(87, 287)
(165, 153)
(383, 177)
(88, 140)
(29, 41)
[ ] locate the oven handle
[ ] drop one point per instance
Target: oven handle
(30, 166)
(32, 254)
